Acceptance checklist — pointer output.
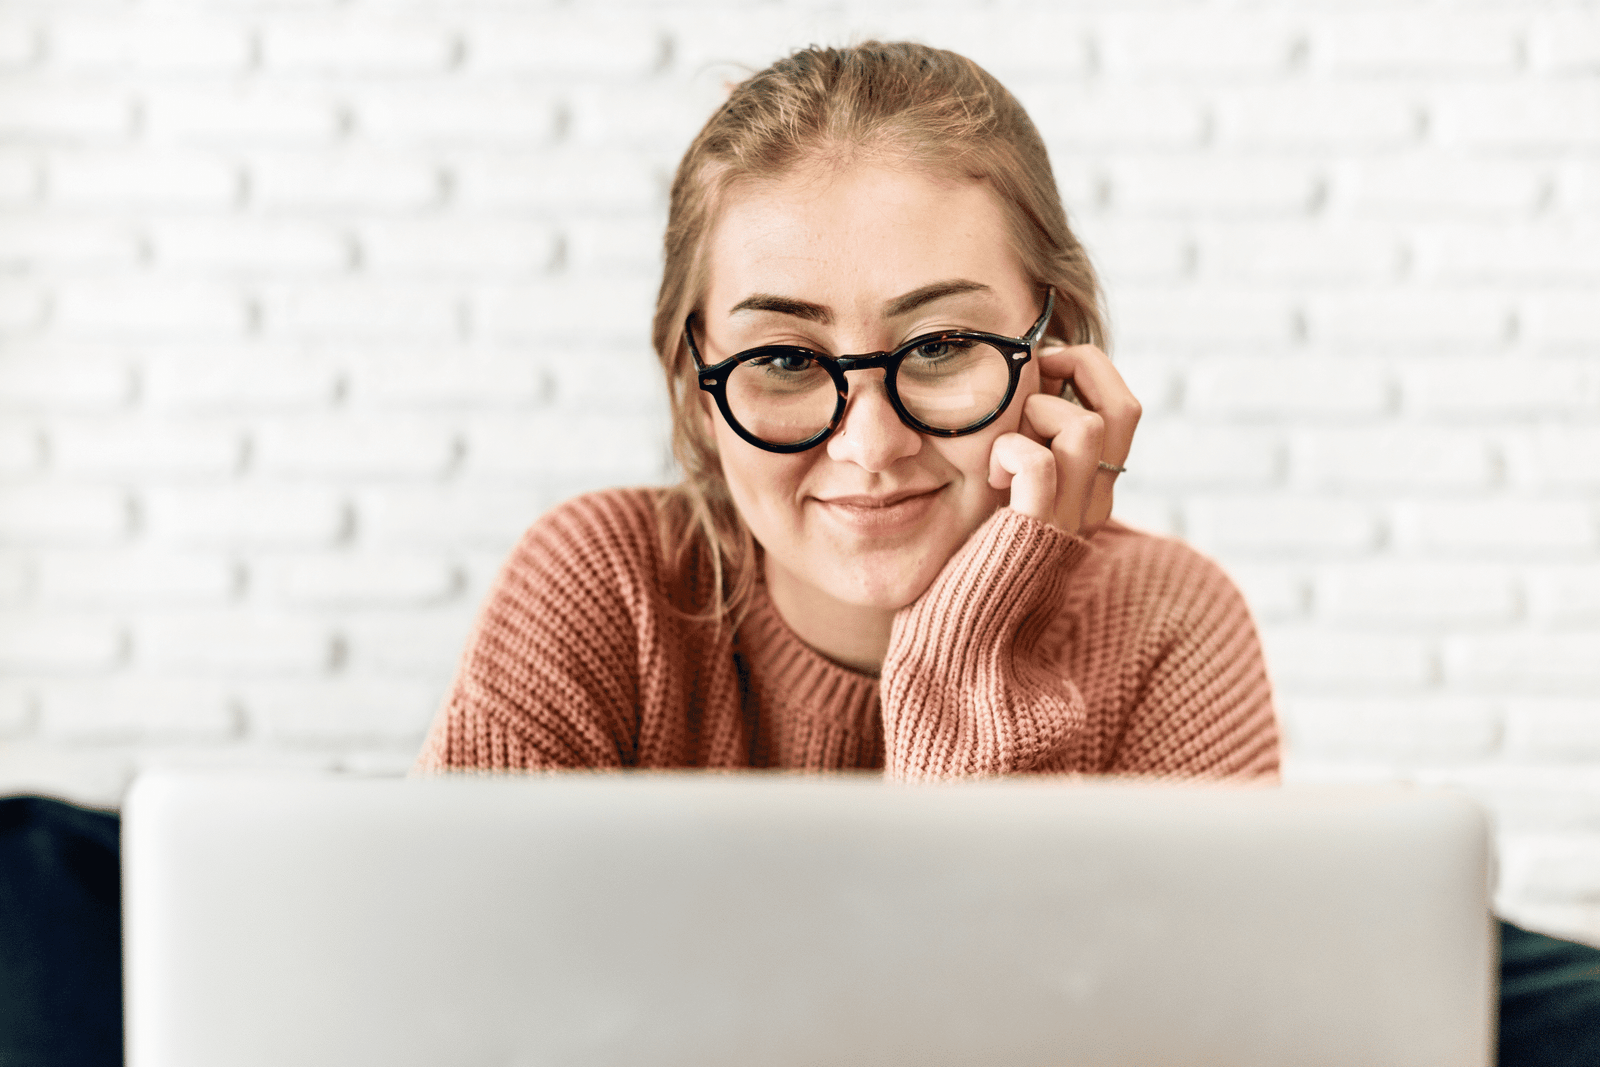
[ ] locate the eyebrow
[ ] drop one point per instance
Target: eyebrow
(900, 305)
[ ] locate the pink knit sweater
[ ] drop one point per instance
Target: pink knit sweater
(1033, 651)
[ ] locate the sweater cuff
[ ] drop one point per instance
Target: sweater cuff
(1010, 567)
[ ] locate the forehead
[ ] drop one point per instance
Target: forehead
(866, 231)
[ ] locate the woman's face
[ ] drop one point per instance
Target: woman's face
(850, 262)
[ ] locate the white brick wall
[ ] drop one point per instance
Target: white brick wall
(302, 303)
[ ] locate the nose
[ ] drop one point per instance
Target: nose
(871, 434)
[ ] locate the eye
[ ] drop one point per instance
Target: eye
(943, 348)
(786, 363)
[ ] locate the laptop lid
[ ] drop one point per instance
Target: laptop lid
(706, 919)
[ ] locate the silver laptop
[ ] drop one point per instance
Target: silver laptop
(753, 919)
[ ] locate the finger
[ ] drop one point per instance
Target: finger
(1096, 380)
(1029, 470)
(1077, 439)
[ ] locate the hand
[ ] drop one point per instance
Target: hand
(1052, 464)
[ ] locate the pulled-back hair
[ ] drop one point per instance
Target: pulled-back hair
(896, 104)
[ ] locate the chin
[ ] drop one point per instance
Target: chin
(888, 584)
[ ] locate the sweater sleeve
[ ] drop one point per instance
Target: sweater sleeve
(967, 687)
(549, 677)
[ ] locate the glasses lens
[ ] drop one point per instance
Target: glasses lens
(783, 397)
(952, 383)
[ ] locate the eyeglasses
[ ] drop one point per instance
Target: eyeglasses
(785, 398)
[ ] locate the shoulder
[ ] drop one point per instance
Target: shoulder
(600, 546)
(1150, 574)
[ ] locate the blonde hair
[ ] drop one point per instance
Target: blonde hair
(899, 103)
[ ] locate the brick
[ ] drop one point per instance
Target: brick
(545, 310)
(19, 43)
(247, 244)
(1547, 114)
(22, 308)
(244, 515)
(1054, 47)
(1302, 659)
(357, 445)
(1432, 183)
(449, 516)
(365, 44)
(1283, 388)
(561, 181)
(1155, 513)
(232, 643)
(622, 115)
(1526, 662)
(365, 579)
(729, 43)
(1553, 729)
(16, 578)
(1071, 117)
(1564, 320)
(1200, 315)
(138, 577)
(619, 380)
(1284, 523)
(457, 112)
(171, 43)
(449, 379)
(59, 382)
(142, 178)
(1319, 116)
(1482, 386)
(1555, 456)
(617, 245)
(21, 449)
(1565, 40)
(1213, 185)
(1316, 252)
(456, 246)
(343, 181)
(1511, 251)
(50, 111)
(361, 309)
(1565, 595)
(52, 643)
(415, 644)
(229, 114)
(142, 447)
(244, 380)
(138, 709)
(1132, 251)
(19, 177)
(1194, 44)
(17, 715)
(1391, 317)
(62, 515)
(30, 243)
(1179, 454)
(1411, 731)
(1417, 41)
(1493, 523)
(1555, 867)
(1385, 455)
(384, 711)
(599, 44)
(1411, 593)
(1154, 380)
(627, 449)
(149, 308)
(1275, 592)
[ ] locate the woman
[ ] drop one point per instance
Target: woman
(902, 560)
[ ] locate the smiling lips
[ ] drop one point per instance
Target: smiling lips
(886, 514)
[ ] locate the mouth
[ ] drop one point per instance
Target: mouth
(880, 514)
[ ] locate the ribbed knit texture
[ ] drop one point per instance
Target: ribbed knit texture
(1032, 651)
